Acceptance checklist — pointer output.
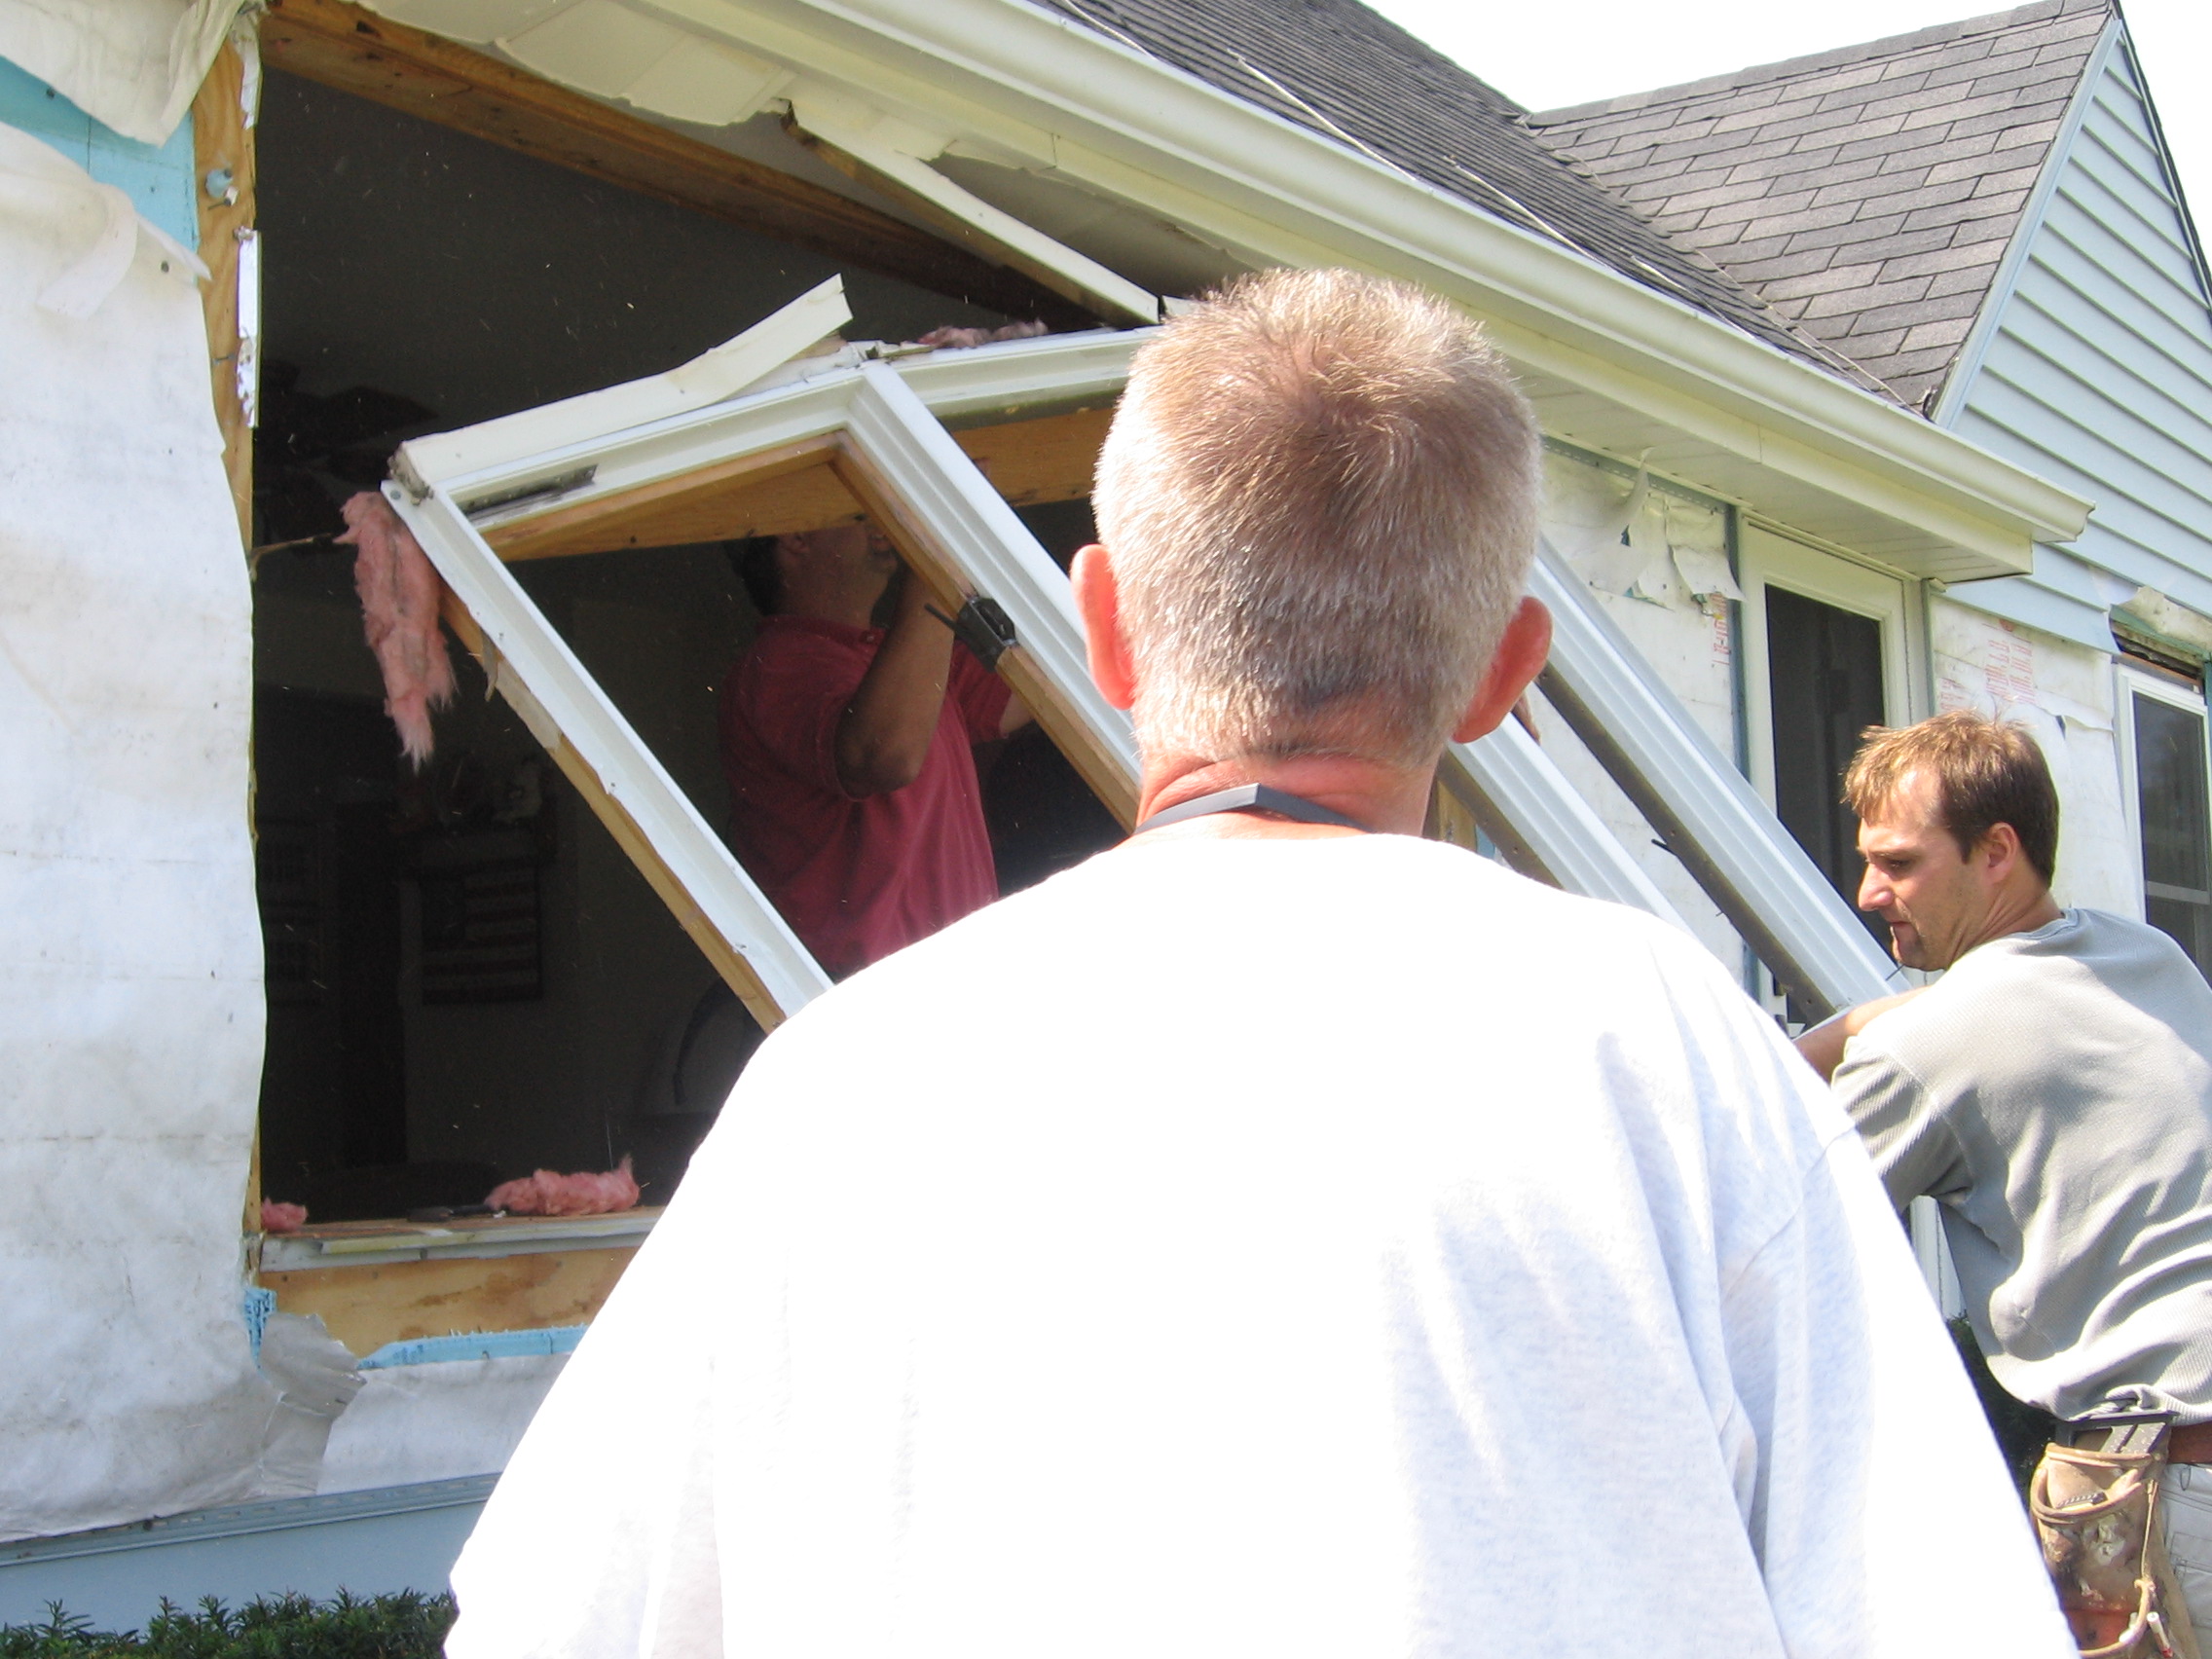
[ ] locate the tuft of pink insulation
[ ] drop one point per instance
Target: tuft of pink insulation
(581, 1194)
(399, 612)
(283, 1218)
(952, 336)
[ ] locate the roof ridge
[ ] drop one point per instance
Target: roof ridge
(1835, 57)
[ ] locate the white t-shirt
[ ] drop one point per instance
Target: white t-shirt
(1276, 1248)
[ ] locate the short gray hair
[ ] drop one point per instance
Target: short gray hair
(1319, 492)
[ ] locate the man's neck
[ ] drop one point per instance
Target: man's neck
(2018, 914)
(1374, 796)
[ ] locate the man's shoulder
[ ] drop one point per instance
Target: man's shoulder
(1377, 910)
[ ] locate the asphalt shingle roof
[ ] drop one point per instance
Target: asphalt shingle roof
(1868, 194)
(1337, 68)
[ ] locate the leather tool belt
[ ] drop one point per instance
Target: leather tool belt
(2094, 1499)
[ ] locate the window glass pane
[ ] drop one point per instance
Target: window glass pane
(2177, 829)
(1825, 671)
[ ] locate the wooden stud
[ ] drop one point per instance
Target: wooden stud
(396, 1301)
(794, 488)
(1051, 458)
(222, 142)
(766, 494)
(726, 959)
(424, 75)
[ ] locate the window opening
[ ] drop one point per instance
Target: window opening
(1825, 680)
(2173, 819)
(469, 976)
(1824, 650)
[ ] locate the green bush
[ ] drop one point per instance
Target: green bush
(402, 1626)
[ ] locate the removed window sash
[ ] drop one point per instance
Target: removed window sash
(1703, 808)
(876, 423)
(528, 663)
(1542, 826)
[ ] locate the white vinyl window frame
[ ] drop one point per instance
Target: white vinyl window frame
(2132, 684)
(880, 425)
(1768, 559)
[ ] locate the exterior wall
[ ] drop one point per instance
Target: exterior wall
(1649, 584)
(2097, 372)
(131, 969)
(2064, 692)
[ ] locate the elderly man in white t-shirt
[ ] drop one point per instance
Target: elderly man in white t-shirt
(1340, 1245)
(2053, 1090)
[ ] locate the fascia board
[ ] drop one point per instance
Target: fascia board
(965, 59)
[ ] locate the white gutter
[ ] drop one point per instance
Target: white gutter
(1096, 109)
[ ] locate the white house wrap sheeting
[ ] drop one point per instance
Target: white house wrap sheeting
(133, 65)
(131, 997)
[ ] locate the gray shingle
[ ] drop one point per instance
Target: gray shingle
(1851, 302)
(1765, 275)
(1954, 257)
(1828, 278)
(1918, 154)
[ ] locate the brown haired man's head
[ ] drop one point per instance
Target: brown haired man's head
(1958, 823)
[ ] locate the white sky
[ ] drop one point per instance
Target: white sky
(1600, 49)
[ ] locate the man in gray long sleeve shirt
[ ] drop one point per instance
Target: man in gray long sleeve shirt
(2053, 1091)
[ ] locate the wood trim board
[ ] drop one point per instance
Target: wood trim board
(223, 143)
(395, 1302)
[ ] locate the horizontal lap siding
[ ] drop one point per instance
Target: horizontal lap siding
(2100, 374)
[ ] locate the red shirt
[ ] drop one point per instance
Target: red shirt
(857, 877)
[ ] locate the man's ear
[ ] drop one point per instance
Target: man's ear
(1099, 601)
(1998, 852)
(1517, 660)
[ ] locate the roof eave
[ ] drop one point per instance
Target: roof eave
(1128, 124)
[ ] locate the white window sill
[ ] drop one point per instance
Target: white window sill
(373, 1243)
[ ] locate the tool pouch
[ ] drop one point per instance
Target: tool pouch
(2096, 1514)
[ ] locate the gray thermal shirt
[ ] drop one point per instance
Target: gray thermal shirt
(2053, 1090)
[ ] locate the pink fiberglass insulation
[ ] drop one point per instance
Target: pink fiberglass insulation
(581, 1194)
(283, 1218)
(399, 610)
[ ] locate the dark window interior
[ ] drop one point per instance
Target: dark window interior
(467, 978)
(1825, 673)
(2177, 837)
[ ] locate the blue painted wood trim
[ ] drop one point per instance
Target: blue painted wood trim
(482, 1345)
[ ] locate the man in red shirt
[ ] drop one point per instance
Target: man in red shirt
(849, 751)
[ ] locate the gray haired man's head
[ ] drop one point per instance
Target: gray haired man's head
(1320, 498)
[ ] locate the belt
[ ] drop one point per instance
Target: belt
(2191, 1443)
